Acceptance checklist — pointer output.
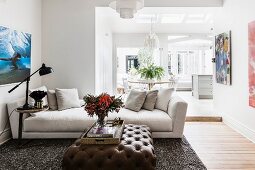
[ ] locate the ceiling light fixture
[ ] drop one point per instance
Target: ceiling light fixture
(127, 8)
(151, 40)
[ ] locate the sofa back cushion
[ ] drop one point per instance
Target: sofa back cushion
(150, 100)
(135, 100)
(67, 98)
(164, 96)
(52, 99)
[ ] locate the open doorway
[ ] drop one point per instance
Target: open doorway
(185, 50)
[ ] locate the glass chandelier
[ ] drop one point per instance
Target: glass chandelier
(151, 40)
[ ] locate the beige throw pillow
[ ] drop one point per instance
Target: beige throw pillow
(135, 100)
(31, 101)
(150, 100)
(164, 96)
(67, 98)
(52, 99)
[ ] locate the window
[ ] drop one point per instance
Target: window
(132, 62)
(184, 63)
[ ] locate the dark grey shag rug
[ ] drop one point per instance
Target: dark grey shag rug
(172, 154)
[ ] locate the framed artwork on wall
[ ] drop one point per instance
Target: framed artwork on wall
(15, 55)
(251, 35)
(223, 58)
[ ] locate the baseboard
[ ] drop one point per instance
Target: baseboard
(203, 119)
(239, 127)
(5, 136)
(183, 89)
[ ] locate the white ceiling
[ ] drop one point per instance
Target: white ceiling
(174, 20)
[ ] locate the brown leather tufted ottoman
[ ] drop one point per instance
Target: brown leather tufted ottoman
(135, 152)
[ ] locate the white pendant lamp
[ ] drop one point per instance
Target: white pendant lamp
(127, 8)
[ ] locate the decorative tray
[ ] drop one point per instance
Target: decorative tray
(104, 140)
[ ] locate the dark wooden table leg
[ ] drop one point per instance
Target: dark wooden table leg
(20, 127)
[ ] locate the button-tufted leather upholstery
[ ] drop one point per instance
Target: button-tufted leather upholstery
(135, 152)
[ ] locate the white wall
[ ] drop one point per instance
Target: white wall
(104, 80)
(24, 16)
(232, 101)
(69, 39)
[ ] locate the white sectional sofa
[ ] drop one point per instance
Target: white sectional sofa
(71, 123)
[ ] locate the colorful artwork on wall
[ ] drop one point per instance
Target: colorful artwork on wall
(15, 55)
(223, 58)
(252, 64)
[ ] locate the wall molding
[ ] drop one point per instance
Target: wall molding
(5, 136)
(239, 127)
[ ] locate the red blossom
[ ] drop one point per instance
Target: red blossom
(102, 104)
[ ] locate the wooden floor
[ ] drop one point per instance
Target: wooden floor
(220, 147)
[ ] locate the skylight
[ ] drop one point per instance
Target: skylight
(195, 21)
(172, 18)
(174, 37)
(196, 15)
(146, 18)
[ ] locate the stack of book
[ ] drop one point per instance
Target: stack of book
(102, 132)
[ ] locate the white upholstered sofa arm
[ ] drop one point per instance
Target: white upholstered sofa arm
(177, 109)
(14, 116)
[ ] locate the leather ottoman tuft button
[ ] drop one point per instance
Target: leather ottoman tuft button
(120, 147)
(129, 142)
(144, 136)
(145, 143)
(137, 138)
(137, 147)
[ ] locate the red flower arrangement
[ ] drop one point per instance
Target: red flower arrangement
(102, 104)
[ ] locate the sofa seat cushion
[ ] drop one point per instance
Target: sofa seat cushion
(129, 116)
(70, 120)
(157, 120)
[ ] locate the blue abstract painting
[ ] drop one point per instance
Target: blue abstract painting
(15, 55)
(223, 58)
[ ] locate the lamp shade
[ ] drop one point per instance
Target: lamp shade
(45, 70)
(127, 8)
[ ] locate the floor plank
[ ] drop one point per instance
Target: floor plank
(220, 147)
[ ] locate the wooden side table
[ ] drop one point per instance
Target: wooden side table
(21, 113)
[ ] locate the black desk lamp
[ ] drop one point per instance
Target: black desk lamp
(42, 71)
